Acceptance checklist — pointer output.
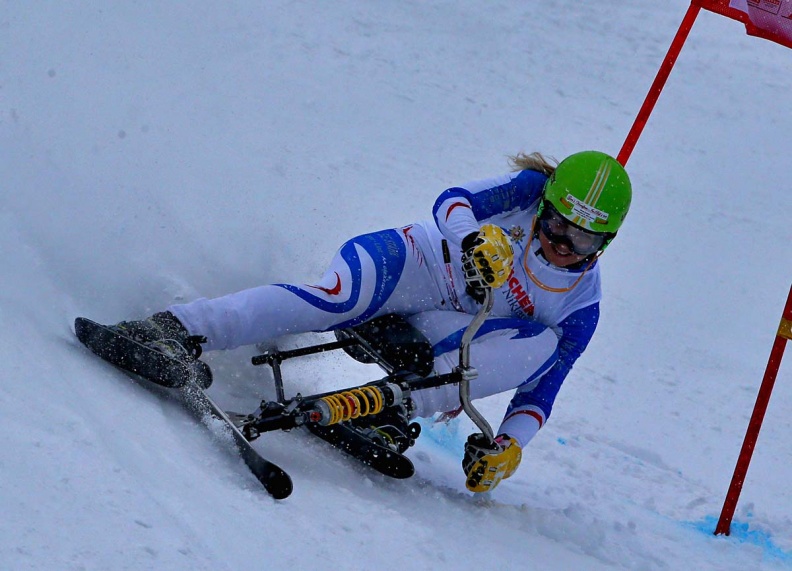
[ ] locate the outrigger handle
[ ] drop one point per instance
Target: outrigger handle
(468, 373)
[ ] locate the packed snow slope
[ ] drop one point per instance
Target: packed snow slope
(153, 152)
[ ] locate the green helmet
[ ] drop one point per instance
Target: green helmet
(591, 190)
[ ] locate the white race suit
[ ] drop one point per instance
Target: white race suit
(529, 342)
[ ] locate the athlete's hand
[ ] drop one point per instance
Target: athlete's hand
(486, 463)
(487, 258)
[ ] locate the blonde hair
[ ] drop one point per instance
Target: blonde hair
(533, 161)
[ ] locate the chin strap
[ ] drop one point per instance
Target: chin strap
(539, 282)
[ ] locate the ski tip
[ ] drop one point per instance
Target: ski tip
(282, 494)
(279, 485)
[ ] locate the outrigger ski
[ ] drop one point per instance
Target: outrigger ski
(367, 422)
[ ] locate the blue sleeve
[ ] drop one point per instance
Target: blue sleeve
(577, 330)
(519, 193)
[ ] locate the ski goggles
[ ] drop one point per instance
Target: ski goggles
(559, 230)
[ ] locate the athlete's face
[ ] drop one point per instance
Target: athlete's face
(558, 253)
(564, 243)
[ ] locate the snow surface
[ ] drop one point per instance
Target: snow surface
(152, 152)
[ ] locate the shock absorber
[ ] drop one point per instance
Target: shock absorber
(355, 403)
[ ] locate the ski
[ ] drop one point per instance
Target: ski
(274, 479)
(186, 379)
(374, 455)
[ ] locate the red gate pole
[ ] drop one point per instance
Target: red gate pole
(762, 400)
(658, 84)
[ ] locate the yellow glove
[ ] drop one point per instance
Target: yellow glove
(485, 466)
(487, 258)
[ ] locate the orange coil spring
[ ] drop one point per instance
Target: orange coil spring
(354, 403)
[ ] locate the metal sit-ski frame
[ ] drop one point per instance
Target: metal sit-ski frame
(390, 342)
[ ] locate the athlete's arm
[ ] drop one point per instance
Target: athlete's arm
(531, 405)
(460, 210)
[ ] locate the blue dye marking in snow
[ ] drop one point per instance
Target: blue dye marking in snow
(741, 532)
(444, 435)
(562, 441)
